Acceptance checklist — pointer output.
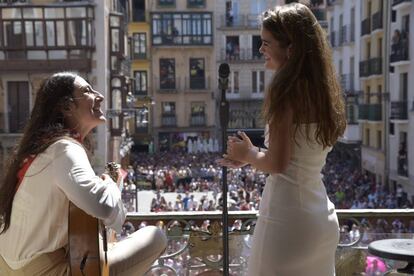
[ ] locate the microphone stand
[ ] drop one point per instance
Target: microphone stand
(224, 119)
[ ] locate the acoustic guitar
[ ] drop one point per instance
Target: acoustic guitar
(88, 239)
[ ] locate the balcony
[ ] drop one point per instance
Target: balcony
(375, 66)
(399, 110)
(364, 68)
(333, 39)
(196, 3)
(404, 3)
(167, 85)
(168, 120)
(347, 83)
(166, 3)
(400, 50)
(239, 21)
(366, 26)
(241, 56)
(171, 29)
(195, 84)
(402, 162)
(141, 130)
(198, 120)
(195, 239)
(370, 112)
(377, 21)
(320, 14)
(32, 42)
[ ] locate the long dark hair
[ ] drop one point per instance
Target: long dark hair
(307, 82)
(45, 126)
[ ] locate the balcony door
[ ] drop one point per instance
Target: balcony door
(18, 105)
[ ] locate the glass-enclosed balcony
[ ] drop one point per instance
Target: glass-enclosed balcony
(195, 239)
(399, 110)
(47, 37)
(182, 29)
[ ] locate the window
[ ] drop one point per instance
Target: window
(197, 73)
(258, 81)
(404, 87)
(138, 10)
(367, 134)
(233, 82)
(197, 114)
(167, 73)
(141, 86)
(166, 2)
(379, 139)
(256, 44)
(18, 105)
(139, 45)
(182, 29)
(168, 108)
(196, 3)
(232, 48)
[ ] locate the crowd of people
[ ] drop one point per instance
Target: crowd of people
(347, 186)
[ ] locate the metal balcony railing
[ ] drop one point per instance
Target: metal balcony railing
(370, 112)
(192, 236)
(364, 68)
(399, 110)
(167, 84)
(197, 83)
(375, 66)
(377, 21)
(240, 21)
(196, 3)
(243, 55)
(347, 83)
(402, 163)
(198, 120)
(366, 26)
(400, 50)
(396, 2)
(168, 120)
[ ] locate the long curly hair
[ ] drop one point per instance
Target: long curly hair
(307, 82)
(46, 125)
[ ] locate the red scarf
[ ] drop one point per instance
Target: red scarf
(29, 160)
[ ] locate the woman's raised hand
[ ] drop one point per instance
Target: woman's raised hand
(239, 148)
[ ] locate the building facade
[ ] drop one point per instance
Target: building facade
(401, 130)
(183, 72)
(42, 37)
(343, 31)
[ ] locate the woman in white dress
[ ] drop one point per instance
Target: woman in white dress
(297, 230)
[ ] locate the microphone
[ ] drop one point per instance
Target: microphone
(224, 71)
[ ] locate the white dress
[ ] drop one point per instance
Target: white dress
(297, 230)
